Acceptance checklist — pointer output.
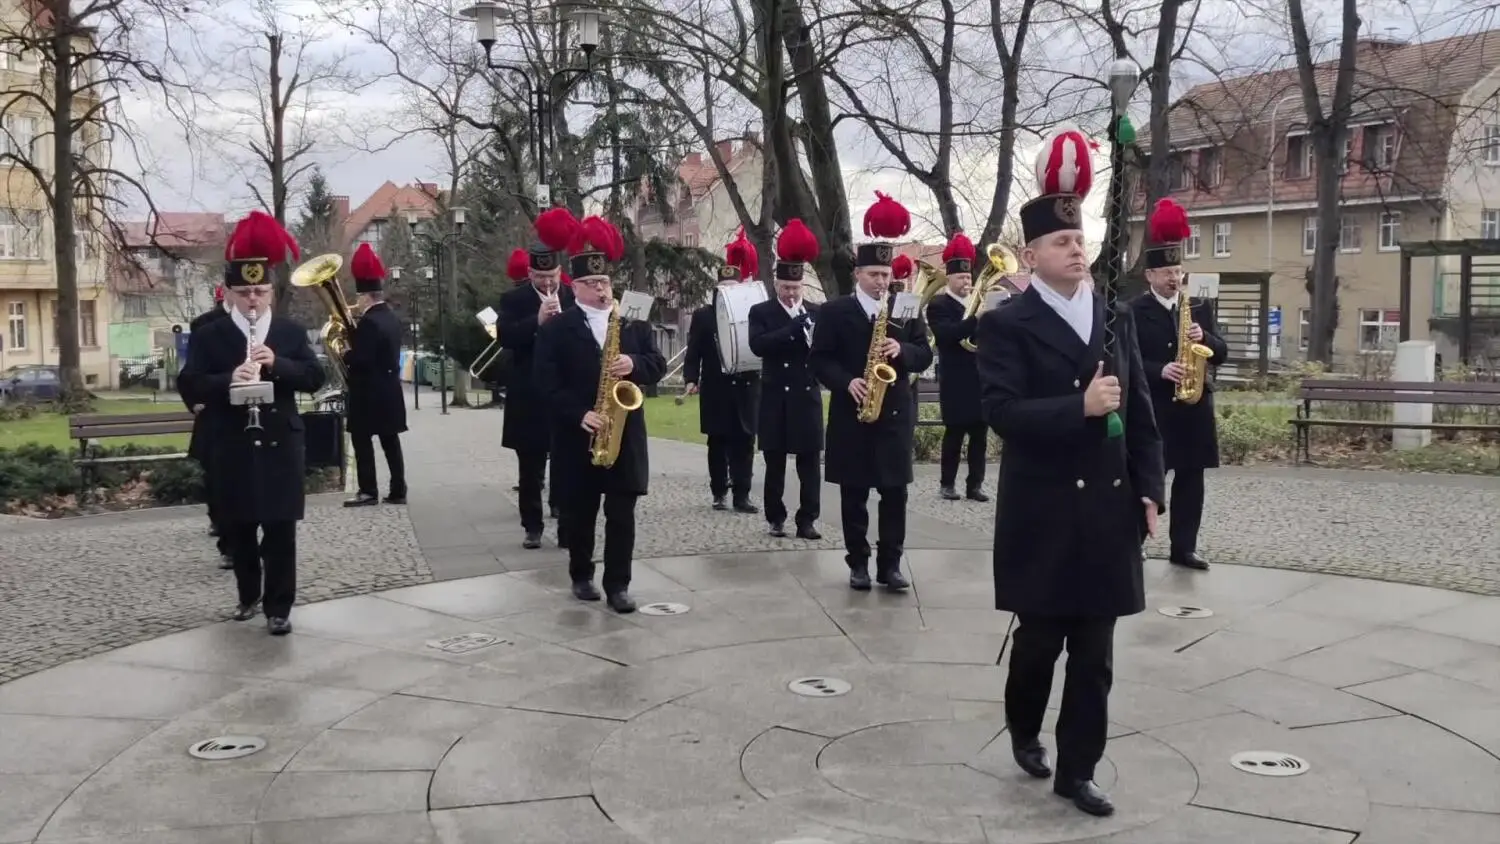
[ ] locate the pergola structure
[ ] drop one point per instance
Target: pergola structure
(1466, 250)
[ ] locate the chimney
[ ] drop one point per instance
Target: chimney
(340, 207)
(429, 188)
(726, 151)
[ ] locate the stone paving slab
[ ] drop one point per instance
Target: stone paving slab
(576, 724)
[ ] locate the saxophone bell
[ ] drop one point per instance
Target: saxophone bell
(1192, 357)
(616, 399)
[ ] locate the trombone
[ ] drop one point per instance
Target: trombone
(488, 318)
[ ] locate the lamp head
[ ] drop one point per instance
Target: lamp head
(484, 14)
(459, 214)
(1124, 75)
(427, 273)
(588, 20)
(395, 273)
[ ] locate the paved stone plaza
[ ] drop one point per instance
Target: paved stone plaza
(571, 724)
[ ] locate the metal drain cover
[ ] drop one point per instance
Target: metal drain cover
(466, 643)
(226, 747)
(1186, 612)
(664, 609)
(1269, 763)
(820, 687)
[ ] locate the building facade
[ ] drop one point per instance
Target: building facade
(164, 275)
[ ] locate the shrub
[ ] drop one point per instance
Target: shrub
(1245, 433)
(176, 482)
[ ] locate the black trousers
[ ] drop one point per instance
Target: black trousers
(364, 463)
(809, 483)
(731, 463)
(533, 470)
(214, 517)
(853, 506)
(275, 545)
(1187, 510)
(580, 515)
(953, 443)
(1083, 723)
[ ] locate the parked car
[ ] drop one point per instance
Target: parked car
(30, 382)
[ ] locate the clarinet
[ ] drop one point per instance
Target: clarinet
(254, 408)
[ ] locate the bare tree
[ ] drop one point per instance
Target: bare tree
(71, 64)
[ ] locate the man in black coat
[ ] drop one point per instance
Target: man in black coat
(201, 437)
(1075, 501)
(958, 380)
(728, 402)
(791, 406)
(524, 309)
(1190, 440)
(257, 452)
(871, 455)
(568, 361)
(376, 405)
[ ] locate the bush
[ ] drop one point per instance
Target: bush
(1245, 433)
(176, 482)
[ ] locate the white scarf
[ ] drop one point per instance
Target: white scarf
(1077, 312)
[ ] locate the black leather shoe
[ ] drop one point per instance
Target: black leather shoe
(562, 540)
(364, 499)
(743, 505)
(893, 580)
(533, 540)
(1031, 756)
(859, 580)
(977, 494)
(244, 612)
(393, 498)
(778, 530)
(621, 602)
(1189, 561)
(719, 503)
(950, 494)
(585, 590)
(808, 532)
(1086, 796)
(226, 562)
(278, 626)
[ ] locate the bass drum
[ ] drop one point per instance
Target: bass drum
(732, 304)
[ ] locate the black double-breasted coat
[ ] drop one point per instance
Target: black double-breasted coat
(1070, 520)
(957, 369)
(375, 403)
(1189, 432)
(260, 473)
(874, 455)
(528, 428)
(567, 378)
(202, 435)
(728, 403)
(791, 400)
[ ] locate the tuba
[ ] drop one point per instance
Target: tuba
(321, 274)
(1001, 264)
(879, 375)
(615, 401)
(1192, 357)
(931, 280)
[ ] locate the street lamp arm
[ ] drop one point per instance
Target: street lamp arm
(521, 72)
(563, 80)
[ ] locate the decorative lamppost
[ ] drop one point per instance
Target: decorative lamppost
(434, 269)
(540, 98)
(1124, 75)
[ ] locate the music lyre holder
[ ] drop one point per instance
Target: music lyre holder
(252, 395)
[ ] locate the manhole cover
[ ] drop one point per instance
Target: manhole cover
(820, 687)
(1186, 612)
(664, 609)
(466, 643)
(1269, 763)
(226, 747)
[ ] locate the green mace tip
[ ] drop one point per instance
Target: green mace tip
(1114, 427)
(1125, 131)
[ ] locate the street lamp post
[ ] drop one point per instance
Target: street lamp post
(1124, 75)
(416, 341)
(435, 252)
(539, 98)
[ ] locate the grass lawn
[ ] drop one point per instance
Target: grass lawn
(671, 421)
(52, 428)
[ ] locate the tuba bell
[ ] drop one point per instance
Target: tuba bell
(1002, 262)
(321, 275)
(931, 280)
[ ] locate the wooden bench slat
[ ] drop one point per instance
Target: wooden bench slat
(1405, 397)
(86, 419)
(128, 458)
(1380, 423)
(137, 430)
(1405, 386)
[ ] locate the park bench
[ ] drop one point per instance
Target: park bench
(927, 393)
(1445, 393)
(90, 428)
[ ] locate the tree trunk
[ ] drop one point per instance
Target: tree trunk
(1010, 100)
(281, 272)
(64, 237)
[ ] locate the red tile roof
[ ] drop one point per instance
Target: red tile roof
(389, 200)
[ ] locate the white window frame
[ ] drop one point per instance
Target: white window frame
(133, 306)
(16, 317)
(1213, 174)
(1390, 231)
(1387, 333)
(1304, 328)
(1348, 152)
(1223, 232)
(1351, 237)
(88, 339)
(83, 240)
(18, 141)
(1193, 247)
(1309, 234)
(20, 234)
(1384, 154)
(1489, 224)
(1306, 166)
(1492, 145)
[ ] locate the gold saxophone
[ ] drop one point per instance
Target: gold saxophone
(879, 375)
(1192, 357)
(615, 401)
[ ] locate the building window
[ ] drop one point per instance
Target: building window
(88, 324)
(1380, 147)
(1304, 328)
(17, 312)
(20, 137)
(373, 233)
(1379, 330)
(1309, 235)
(1181, 171)
(1194, 246)
(689, 240)
(1348, 153)
(83, 239)
(20, 234)
(1489, 224)
(1221, 240)
(1211, 167)
(1390, 231)
(1299, 157)
(1492, 144)
(1350, 237)
(133, 307)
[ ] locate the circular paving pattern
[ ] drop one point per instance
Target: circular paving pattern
(573, 724)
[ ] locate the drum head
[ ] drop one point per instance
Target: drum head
(732, 304)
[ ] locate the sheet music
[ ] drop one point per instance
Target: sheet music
(636, 305)
(995, 299)
(905, 306)
(488, 316)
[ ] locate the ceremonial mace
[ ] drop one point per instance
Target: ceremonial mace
(1123, 78)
